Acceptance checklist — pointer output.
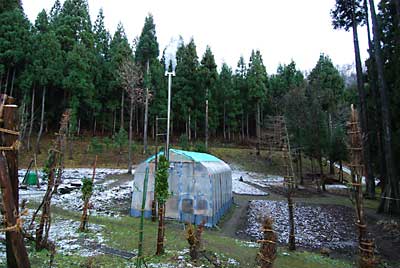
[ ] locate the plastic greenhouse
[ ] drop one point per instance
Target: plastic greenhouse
(200, 186)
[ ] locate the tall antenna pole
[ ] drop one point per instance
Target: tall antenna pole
(169, 74)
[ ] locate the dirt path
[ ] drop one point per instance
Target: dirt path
(236, 219)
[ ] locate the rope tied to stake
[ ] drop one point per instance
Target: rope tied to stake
(266, 241)
(264, 258)
(9, 131)
(14, 147)
(17, 227)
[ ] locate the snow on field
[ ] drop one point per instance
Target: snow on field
(348, 171)
(241, 181)
(80, 173)
(336, 187)
(181, 259)
(316, 226)
(105, 199)
(68, 240)
(247, 244)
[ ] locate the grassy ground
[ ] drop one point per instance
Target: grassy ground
(122, 233)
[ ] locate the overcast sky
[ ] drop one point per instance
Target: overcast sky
(281, 29)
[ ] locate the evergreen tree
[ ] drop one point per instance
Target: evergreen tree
(55, 11)
(386, 58)
(46, 63)
(286, 79)
(349, 14)
(120, 51)
(102, 74)
(326, 90)
(229, 102)
(241, 86)
(147, 47)
(257, 82)
(146, 53)
(208, 76)
(14, 46)
(8, 5)
(188, 103)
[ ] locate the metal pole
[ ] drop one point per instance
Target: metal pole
(170, 74)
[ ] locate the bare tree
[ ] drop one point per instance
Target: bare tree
(131, 78)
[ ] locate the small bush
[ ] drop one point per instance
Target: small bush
(200, 147)
(120, 139)
(107, 142)
(184, 142)
(96, 146)
(87, 188)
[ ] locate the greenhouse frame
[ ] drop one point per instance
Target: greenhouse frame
(200, 187)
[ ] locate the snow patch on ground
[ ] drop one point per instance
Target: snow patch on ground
(241, 180)
(67, 238)
(315, 226)
(247, 244)
(104, 201)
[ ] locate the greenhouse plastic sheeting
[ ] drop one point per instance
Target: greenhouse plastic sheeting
(200, 186)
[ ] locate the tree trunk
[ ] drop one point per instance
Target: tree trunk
(94, 126)
(16, 252)
(15, 249)
(321, 171)
(70, 134)
(12, 81)
(374, 90)
(37, 149)
(114, 121)
(146, 113)
(1, 82)
(341, 171)
(247, 126)
(370, 181)
(243, 127)
(137, 119)
(390, 203)
(32, 118)
(6, 84)
(206, 130)
(258, 128)
(292, 238)
(79, 127)
(85, 217)
(122, 110)
(195, 130)
(190, 129)
(160, 234)
(224, 121)
(130, 137)
(301, 168)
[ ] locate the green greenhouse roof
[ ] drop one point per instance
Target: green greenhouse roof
(194, 156)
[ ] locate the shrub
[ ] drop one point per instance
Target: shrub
(184, 142)
(96, 146)
(200, 147)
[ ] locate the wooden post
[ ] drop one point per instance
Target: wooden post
(268, 247)
(366, 245)
(15, 248)
(10, 118)
(17, 256)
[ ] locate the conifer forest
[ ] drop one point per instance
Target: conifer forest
(121, 152)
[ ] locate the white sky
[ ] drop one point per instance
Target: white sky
(281, 29)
